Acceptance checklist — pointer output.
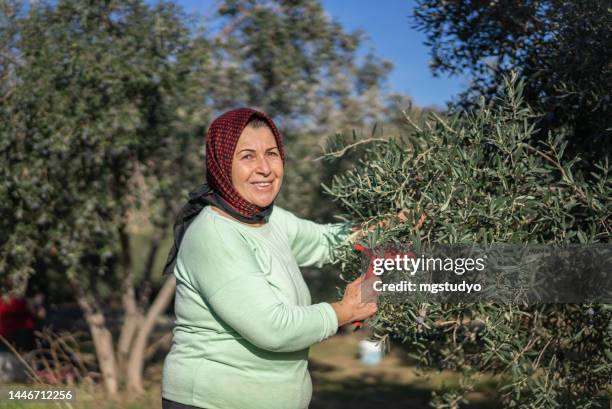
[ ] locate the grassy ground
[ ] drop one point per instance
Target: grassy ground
(339, 381)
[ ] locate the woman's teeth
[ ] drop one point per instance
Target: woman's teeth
(263, 184)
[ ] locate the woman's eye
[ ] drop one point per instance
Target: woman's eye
(249, 156)
(273, 153)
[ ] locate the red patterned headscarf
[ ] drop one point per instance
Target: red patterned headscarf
(221, 141)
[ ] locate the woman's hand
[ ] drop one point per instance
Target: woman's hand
(401, 217)
(359, 301)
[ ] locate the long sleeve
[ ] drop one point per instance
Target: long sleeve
(249, 306)
(224, 270)
(312, 243)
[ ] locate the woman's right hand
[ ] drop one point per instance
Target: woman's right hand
(358, 302)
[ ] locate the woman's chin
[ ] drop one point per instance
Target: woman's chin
(262, 197)
(263, 200)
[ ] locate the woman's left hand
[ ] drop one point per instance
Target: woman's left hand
(358, 231)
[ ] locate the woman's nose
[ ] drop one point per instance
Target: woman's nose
(262, 165)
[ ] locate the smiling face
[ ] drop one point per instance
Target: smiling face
(257, 167)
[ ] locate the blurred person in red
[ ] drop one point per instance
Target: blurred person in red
(18, 317)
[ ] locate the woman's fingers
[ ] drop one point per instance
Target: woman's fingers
(362, 283)
(364, 311)
(369, 294)
(371, 280)
(363, 290)
(358, 280)
(359, 301)
(401, 216)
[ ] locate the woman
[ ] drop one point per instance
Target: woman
(244, 319)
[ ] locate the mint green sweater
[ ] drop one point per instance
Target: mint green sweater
(244, 319)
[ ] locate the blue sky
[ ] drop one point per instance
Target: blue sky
(388, 25)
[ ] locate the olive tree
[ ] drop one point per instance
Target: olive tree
(480, 177)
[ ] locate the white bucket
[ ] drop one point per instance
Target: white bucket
(370, 352)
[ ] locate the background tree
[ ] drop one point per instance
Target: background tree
(290, 60)
(562, 48)
(96, 102)
(478, 177)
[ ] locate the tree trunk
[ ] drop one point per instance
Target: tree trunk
(103, 341)
(131, 323)
(145, 288)
(135, 364)
(132, 317)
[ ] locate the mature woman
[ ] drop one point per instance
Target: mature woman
(244, 319)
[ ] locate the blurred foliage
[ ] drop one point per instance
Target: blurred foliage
(562, 48)
(105, 105)
(482, 177)
(98, 112)
(290, 60)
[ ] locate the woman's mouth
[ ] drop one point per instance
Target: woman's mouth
(263, 185)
